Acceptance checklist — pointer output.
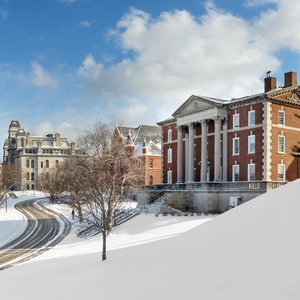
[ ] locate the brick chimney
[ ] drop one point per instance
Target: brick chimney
(270, 82)
(290, 79)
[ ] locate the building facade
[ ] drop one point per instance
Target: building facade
(145, 144)
(35, 156)
(232, 150)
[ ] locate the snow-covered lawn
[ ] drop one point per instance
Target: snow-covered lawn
(250, 252)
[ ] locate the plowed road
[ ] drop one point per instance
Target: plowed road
(45, 228)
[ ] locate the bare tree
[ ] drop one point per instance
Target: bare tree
(75, 183)
(53, 183)
(109, 172)
(8, 179)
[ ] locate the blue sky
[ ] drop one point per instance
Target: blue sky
(64, 64)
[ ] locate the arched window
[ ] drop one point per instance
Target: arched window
(47, 163)
(27, 163)
(42, 164)
(32, 176)
(32, 164)
(27, 176)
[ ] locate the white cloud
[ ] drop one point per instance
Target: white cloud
(40, 77)
(259, 2)
(279, 28)
(65, 129)
(177, 54)
(85, 24)
(89, 69)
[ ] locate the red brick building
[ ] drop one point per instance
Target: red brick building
(245, 140)
(144, 143)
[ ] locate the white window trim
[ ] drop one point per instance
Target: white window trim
(233, 147)
(249, 167)
(170, 137)
(284, 118)
(279, 151)
(169, 179)
(236, 124)
(233, 168)
(169, 155)
(249, 119)
(249, 148)
(278, 168)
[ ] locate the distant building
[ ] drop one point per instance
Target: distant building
(34, 156)
(144, 142)
(229, 151)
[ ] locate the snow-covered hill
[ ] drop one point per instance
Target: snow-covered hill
(250, 252)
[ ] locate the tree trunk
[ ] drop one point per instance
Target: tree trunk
(103, 244)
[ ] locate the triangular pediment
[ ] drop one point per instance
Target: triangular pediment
(291, 96)
(195, 104)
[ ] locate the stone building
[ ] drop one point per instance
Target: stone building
(144, 142)
(34, 156)
(218, 153)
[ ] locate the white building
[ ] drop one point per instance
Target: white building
(35, 156)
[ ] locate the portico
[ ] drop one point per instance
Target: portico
(190, 115)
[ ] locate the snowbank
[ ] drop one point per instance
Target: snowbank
(250, 252)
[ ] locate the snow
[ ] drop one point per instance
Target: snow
(250, 252)
(12, 222)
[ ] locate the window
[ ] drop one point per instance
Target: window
(57, 163)
(251, 118)
(28, 186)
(151, 163)
(251, 172)
(169, 177)
(32, 176)
(32, 164)
(236, 146)
(170, 155)
(151, 180)
(47, 163)
(27, 163)
(42, 164)
(32, 186)
(251, 143)
(169, 135)
(281, 172)
(281, 117)
(281, 144)
(235, 173)
(27, 176)
(236, 121)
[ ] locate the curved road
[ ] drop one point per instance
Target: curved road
(44, 230)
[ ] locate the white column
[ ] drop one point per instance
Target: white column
(225, 137)
(179, 154)
(217, 156)
(186, 156)
(204, 151)
(191, 152)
